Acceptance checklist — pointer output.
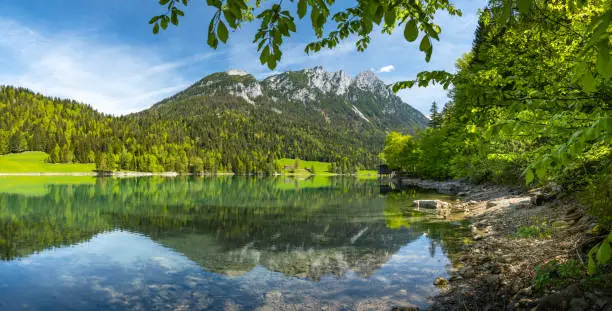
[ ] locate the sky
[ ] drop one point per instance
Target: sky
(103, 52)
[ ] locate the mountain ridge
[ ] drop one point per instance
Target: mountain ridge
(312, 87)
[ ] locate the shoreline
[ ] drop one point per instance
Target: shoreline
(164, 174)
(496, 269)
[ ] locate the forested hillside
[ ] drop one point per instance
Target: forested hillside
(530, 103)
(227, 121)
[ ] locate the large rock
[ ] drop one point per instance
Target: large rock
(431, 204)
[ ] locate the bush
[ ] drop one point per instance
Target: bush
(554, 274)
(540, 230)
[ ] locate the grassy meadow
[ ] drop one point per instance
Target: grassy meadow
(36, 162)
(320, 168)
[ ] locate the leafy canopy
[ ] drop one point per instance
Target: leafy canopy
(414, 17)
(277, 22)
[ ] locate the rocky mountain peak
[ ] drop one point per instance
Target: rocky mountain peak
(328, 82)
(368, 81)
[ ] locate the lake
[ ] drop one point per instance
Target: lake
(221, 243)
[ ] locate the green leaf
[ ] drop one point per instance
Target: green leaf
(314, 18)
(164, 22)
(603, 58)
(302, 8)
(222, 32)
(524, 6)
(425, 45)
(263, 57)
(163, 2)
(592, 266)
(588, 82)
(529, 176)
(212, 38)
(604, 253)
(215, 3)
(390, 17)
(153, 19)
(378, 14)
(541, 171)
(174, 18)
(411, 32)
(506, 11)
(156, 28)
(230, 18)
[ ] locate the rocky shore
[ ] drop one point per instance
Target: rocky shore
(496, 268)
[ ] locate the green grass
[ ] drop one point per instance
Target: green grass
(38, 185)
(321, 168)
(36, 162)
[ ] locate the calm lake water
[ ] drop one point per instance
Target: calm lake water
(233, 243)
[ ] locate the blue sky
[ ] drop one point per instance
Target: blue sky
(103, 53)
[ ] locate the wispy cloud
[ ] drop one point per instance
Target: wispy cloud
(388, 68)
(113, 78)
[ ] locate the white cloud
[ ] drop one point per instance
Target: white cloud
(388, 68)
(113, 78)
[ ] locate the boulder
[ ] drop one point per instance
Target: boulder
(431, 204)
(539, 198)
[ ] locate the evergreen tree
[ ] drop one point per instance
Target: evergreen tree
(435, 120)
(54, 156)
(15, 143)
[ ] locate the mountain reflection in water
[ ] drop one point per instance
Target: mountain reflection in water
(220, 243)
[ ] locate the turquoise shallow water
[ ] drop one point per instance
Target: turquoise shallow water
(232, 243)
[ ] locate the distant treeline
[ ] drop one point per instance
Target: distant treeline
(186, 136)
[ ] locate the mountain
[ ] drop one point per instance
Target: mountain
(227, 121)
(324, 96)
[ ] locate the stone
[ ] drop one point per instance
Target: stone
(492, 280)
(440, 281)
(431, 204)
(508, 258)
(467, 272)
(578, 304)
(495, 269)
(539, 198)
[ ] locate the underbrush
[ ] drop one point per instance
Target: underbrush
(541, 229)
(554, 274)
